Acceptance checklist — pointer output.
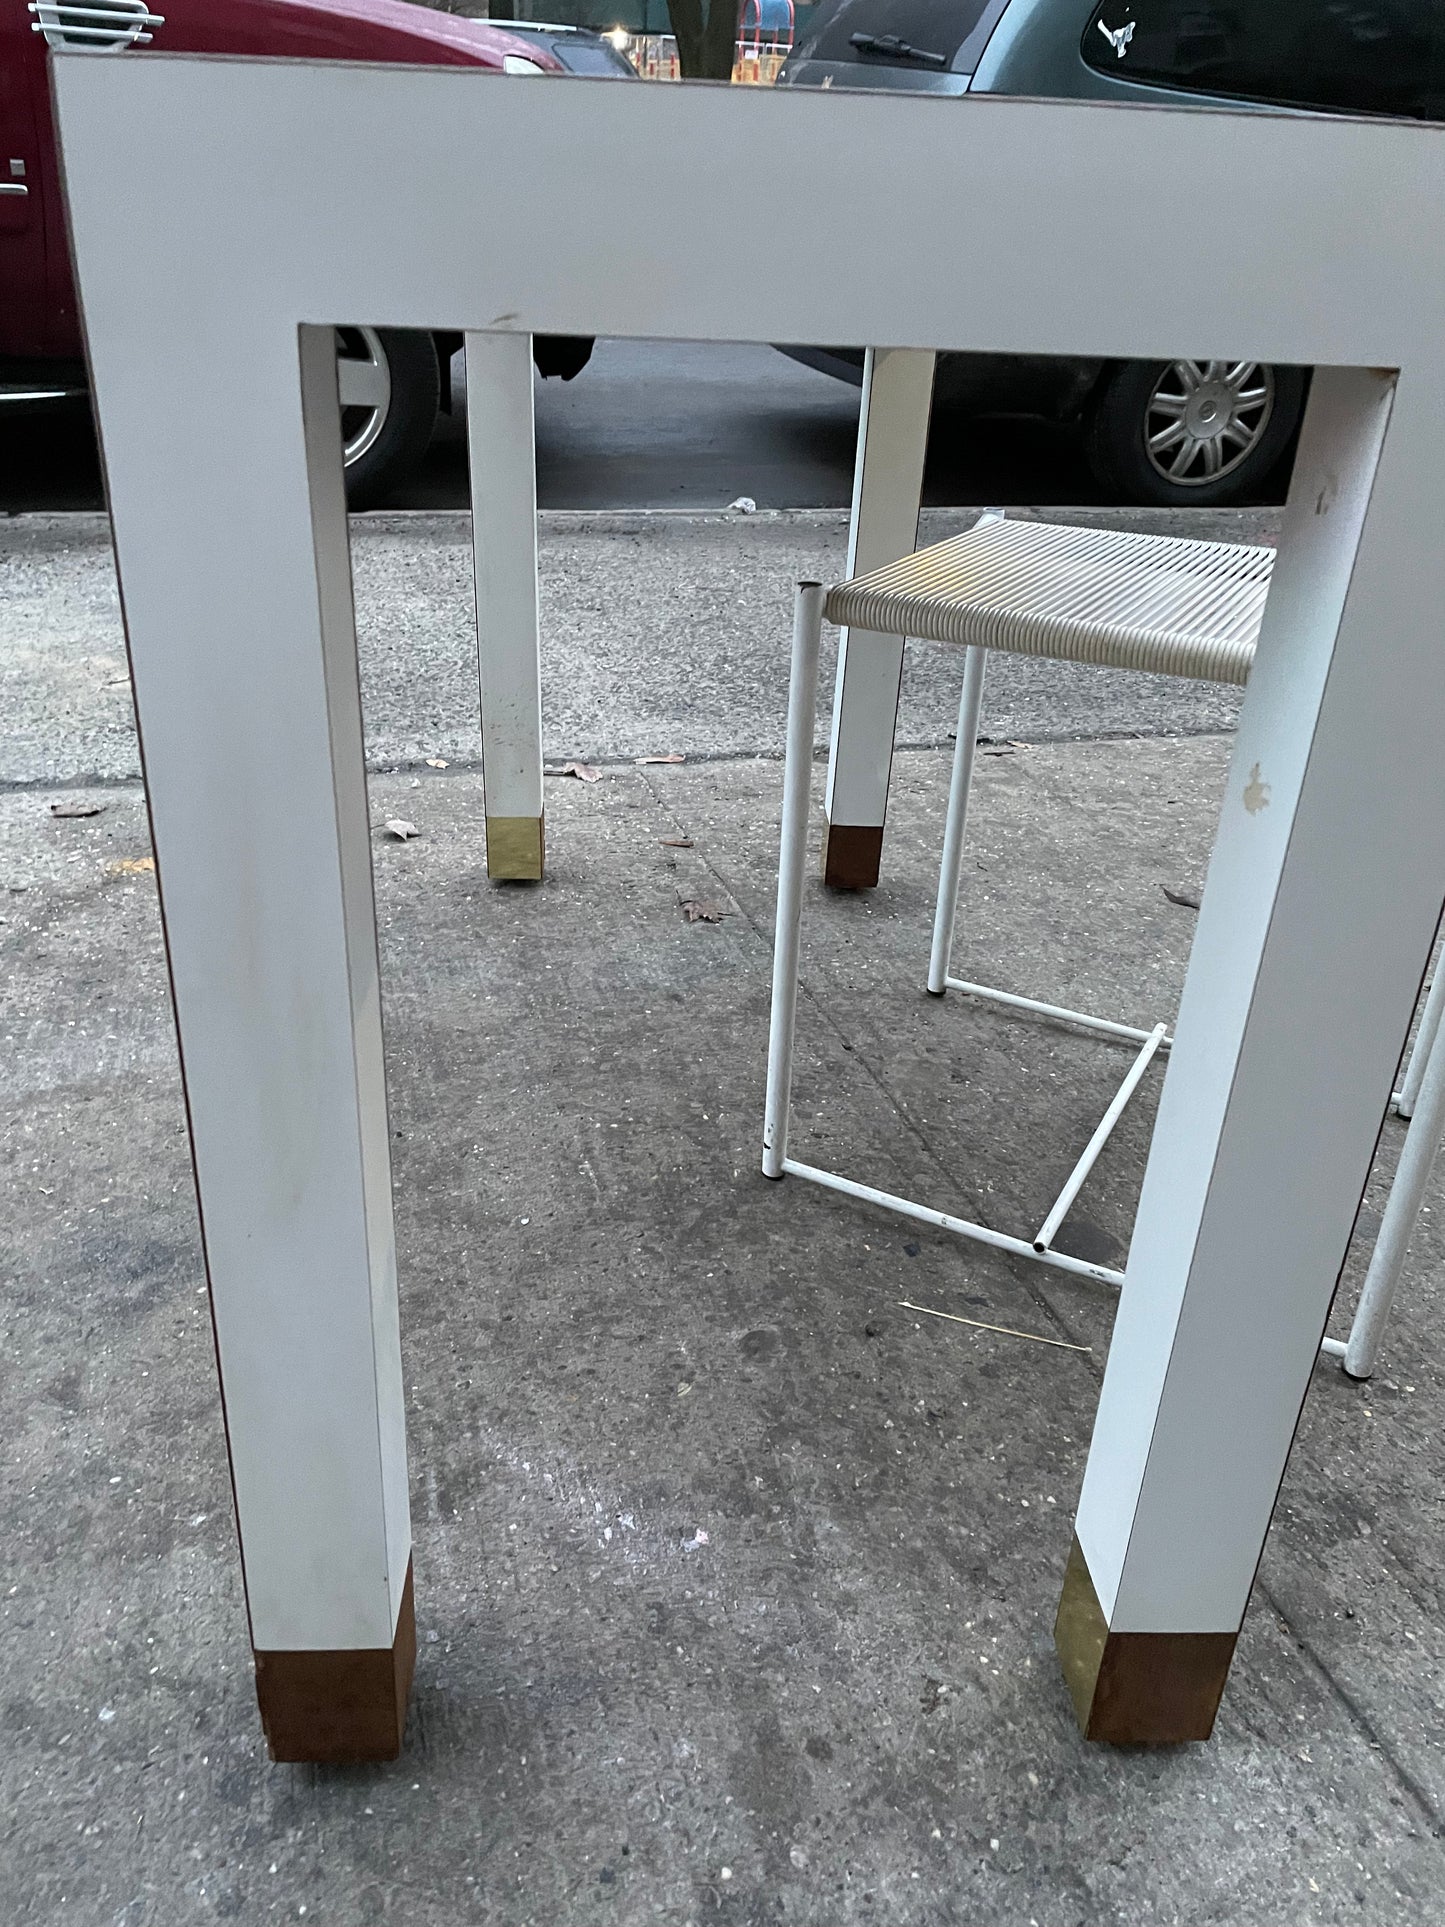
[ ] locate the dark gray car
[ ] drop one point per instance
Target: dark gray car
(1176, 433)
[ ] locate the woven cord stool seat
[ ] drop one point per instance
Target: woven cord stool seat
(1172, 606)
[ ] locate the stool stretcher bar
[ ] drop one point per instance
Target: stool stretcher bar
(1104, 1130)
(945, 1221)
(1105, 1026)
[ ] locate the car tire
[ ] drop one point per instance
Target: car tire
(390, 386)
(1139, 405)
(564, 355)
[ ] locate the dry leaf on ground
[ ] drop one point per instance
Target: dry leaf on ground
(133, 866)
(588, 772)
(401, 829)
(77, 808)
(674, 757)
(436, 762)
(1187, 899)
(676, 842)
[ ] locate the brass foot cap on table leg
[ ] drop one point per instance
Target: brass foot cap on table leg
(852, 853)
(1136, 1689)
(341, 1708)
(515, 849)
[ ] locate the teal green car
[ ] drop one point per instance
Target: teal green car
(1181, 433)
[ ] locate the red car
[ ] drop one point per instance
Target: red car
(393, 381)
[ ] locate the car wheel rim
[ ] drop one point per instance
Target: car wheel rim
(363, 378)
(1205, 418)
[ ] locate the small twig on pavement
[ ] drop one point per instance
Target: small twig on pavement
(1007, 1331)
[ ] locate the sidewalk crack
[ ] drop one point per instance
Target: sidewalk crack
(1355, 1713)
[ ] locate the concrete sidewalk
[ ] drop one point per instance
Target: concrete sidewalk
(839, 1705)
(661, 632)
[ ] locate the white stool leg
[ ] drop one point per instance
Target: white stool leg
(964, 752)
(887, 489)
(501, 453)
(797, 783)
(1424, 1043)
(1402, 1211)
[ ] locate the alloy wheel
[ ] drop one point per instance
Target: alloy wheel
(363, 377)
(1204, 418)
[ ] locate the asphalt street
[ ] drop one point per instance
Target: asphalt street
(649, 425)
(665, 615)
(661, 633)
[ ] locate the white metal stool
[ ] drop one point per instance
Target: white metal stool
(1155, 603)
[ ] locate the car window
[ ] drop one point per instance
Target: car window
(581, 56)
(1350, 56)
(937, 27)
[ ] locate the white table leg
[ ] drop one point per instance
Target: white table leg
(1290, 1029)
(235, 573)
(501, 451)
(887, 490)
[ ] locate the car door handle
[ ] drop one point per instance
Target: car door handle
(13, 187)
